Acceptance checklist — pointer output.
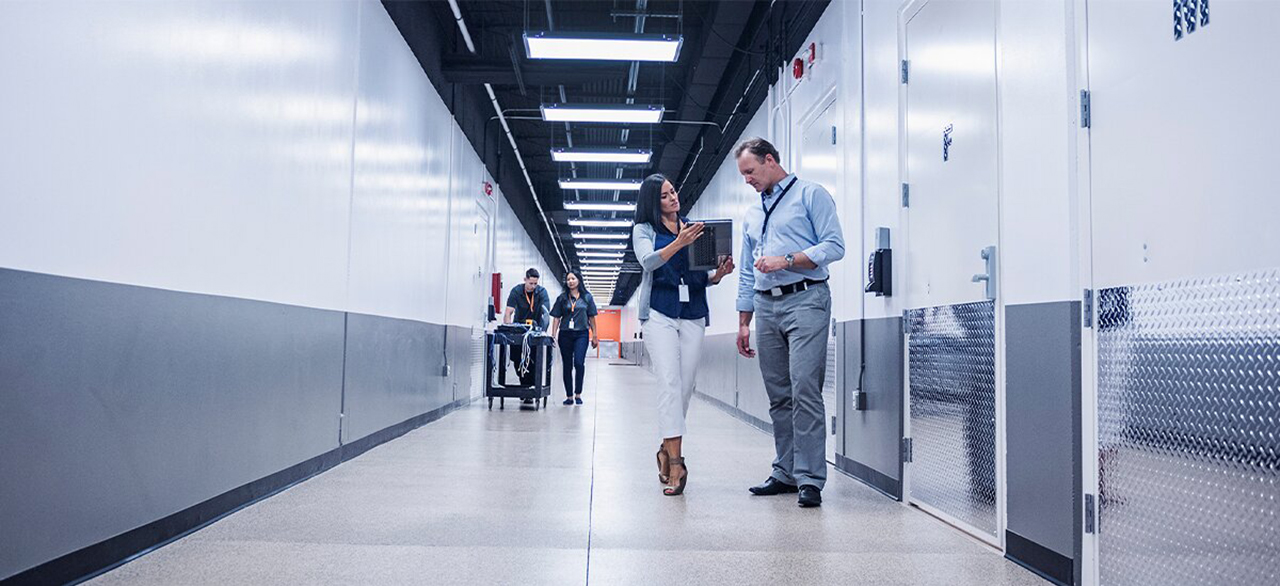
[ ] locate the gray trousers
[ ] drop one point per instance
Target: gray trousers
(792, 349)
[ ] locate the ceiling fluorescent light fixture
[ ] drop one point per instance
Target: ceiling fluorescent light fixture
(600, 223)
(614, 255)
(600, 246)
(603, 46)
(601, 235)
(585, 206)
(600, 184)
(638, 156)
(624, 114)
(611, 263)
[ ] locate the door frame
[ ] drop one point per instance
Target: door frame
(906, 13)
(829, 99)
(1081, 189)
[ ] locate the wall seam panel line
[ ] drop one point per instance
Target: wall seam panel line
(342, 396)
(351, 170)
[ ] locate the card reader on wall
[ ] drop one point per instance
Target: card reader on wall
(880, 266)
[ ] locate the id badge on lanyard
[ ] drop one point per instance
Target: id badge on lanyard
(684, 291)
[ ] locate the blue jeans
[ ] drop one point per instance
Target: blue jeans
(573, 351)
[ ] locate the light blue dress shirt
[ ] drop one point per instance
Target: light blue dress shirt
(805, 221)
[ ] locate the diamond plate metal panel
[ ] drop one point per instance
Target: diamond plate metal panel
(1189, 431)
(953, 411)
(477, 362)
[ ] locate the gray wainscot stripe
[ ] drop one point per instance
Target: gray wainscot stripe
(122, 405)
(1042, 413)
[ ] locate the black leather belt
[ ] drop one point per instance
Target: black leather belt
(792, 288)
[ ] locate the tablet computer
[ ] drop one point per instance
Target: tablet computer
(715, 243)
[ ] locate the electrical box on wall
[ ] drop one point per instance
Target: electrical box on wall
(880, 266)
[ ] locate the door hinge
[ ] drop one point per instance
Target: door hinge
(906, 195)
(833, 425)
(1090, 515)
(906, 70)
(833, 135)
(906, 329)
(1087, 310)
(906, 449)
(1086, 112)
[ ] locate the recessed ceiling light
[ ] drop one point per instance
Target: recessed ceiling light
(584, 206)
(601, 184)
(600, 246)
(625, 114)
(601, 236)
(601, 156)
(606, 47)
(614, 262)
(601, 254)
(600, 223)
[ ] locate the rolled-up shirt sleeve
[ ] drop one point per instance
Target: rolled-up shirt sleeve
(642, 242)
(826, 226)
(747, 275)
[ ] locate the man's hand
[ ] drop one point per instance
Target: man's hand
(769, 264)
(744, 342)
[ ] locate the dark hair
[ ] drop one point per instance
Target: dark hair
(649, 202)
(582, 285)
(758, 147)
(532, 273)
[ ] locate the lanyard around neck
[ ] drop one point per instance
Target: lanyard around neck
(529, 296)
(769, 211)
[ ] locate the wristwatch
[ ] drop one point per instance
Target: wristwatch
(791, 260)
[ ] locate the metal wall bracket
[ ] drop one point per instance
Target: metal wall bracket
(906, 449)
(1086, 110)
(989, 277)
(1090, 515)
(1087, 310)
(906, 195)
(906, 69)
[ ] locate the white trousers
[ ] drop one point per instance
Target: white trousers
(674, 346)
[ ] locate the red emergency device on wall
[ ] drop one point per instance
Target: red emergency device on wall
(497, 293)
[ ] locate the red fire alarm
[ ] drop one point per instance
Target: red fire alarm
(488, 189)
(797, 68)
(813, 52)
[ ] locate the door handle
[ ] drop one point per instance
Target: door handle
(989, 277)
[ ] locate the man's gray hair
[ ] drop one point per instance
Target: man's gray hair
(758, 147)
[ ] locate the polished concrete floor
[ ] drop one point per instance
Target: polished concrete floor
(569, 496)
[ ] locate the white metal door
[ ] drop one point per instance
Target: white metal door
(950, 169)
(819, 161)
(1183, 391)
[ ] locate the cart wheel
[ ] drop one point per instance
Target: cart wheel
(502, 402)
(491, 403)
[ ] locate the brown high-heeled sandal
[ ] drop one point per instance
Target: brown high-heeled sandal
(663, 475)
(678, 489)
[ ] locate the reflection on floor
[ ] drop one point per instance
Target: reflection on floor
(569, 496)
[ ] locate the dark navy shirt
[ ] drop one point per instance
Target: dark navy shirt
(665, 294)
(528, 306)
(574, 314)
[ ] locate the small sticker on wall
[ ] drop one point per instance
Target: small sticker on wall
(946, 142)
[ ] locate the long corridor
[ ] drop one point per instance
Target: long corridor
(569, 496)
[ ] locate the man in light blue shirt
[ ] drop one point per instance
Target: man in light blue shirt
(790, 238)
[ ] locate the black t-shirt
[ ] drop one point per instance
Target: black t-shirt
(574, 314)
(522, 302)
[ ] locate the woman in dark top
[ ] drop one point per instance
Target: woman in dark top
(674, 313)
(573, 323)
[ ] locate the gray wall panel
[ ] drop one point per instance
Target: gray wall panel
(873, 436)
(716, 372)
(752, 398)
(461, 350)
(394, 371)
(120, 405)
(1043, 386)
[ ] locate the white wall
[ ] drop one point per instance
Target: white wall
(279, 151)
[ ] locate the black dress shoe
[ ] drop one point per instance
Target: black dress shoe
(810, 496)
(771, 487)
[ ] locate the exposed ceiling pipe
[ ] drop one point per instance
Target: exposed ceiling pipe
(493, 98)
